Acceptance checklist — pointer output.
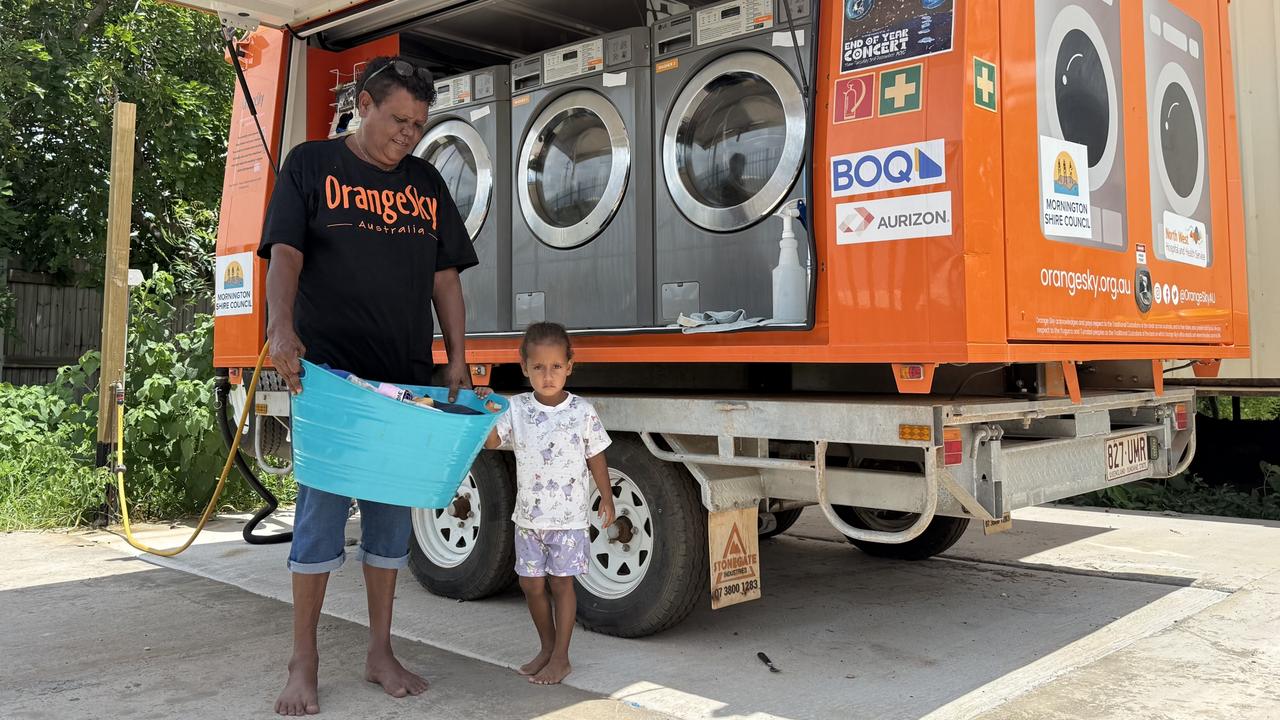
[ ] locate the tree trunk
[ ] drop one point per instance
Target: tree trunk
(4, 291)
(92, 20)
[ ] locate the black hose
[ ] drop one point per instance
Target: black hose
(222, 392)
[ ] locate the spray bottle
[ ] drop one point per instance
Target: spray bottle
(790, 281)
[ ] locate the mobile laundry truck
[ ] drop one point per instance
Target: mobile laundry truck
(917, 262)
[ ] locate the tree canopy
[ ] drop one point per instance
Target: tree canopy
(66, 63)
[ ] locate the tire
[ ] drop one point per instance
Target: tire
(941, 534)
(483, 564)
(782, 521)
(673, 575)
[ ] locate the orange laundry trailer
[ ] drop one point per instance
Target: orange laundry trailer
(1010, 216)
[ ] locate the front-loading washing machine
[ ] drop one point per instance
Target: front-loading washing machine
(1079, 75)
(468, 139)
(582, 230)
(1182, 217)
(731, 139)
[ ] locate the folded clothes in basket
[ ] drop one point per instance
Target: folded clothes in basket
(395, 392)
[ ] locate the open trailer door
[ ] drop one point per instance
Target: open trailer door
(311, 16)
(1121, 225)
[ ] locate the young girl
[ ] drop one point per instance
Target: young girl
(559, 445)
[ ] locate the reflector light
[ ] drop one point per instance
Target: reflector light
(1180, 416)
(915, 432)
(952, 447)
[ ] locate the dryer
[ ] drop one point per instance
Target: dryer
(582, 230)
(468, 139)
(731, 145)
(1079, 81)
(1182, 217)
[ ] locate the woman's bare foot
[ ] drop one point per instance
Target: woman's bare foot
(299, 696)
(556, 669)
(383, 668)
(533, 666)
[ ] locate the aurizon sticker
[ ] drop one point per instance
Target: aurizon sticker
(666, 65)
(522, 100)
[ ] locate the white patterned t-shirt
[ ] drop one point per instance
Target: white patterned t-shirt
(552, 445)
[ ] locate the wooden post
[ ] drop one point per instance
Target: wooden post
(115, 285)
(4, 289)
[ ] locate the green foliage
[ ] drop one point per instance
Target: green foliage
(1193, 496)
(173, 449)
(1250, 408)
(66, 63)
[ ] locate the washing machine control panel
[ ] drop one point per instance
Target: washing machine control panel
(572, 61)
(731, 19)
(453, 92)
(727, 21)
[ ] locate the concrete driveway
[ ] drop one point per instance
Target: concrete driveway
(1074, 613)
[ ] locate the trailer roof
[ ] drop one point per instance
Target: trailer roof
(341, 19)
(278, 13)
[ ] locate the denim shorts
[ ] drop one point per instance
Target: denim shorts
(320, 537)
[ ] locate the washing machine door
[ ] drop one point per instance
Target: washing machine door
(733, 143)
(1083, 105)
(460, 155)
(1180, 155)
(574, 164)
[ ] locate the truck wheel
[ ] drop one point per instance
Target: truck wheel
(941, 534)
(275, 431)
(650, 568)
(774, 524)
(466, 551)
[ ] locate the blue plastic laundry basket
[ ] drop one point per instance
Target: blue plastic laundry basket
(351, 441)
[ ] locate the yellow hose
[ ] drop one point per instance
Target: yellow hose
(222, 479)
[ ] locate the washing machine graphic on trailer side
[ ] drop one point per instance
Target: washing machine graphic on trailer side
(582, 233)
(1079, 63)
(1181, 215)
(731, 141)
(468, 140)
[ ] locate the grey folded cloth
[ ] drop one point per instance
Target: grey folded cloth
(717, 321)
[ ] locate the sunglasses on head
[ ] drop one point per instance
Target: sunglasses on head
(404, 69)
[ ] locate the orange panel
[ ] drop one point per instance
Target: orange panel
(245, 190)
(969, 286)
(1092, 288)
(321, 78)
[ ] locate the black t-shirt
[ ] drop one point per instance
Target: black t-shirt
(372, 241)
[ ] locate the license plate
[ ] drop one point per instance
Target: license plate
(1127, 455)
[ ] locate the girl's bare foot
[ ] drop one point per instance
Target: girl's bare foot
(299, 696)
(533, 666)
(383, 668)
(556, 669)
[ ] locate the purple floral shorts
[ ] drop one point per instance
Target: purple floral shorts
(562, 553)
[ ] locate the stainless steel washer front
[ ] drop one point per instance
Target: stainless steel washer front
(459, 154)
(575, 161)
(734, 141)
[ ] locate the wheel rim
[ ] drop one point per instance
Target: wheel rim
(448, 535)
(885, 520)
(621, 555)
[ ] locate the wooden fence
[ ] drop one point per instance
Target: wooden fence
(55, 325)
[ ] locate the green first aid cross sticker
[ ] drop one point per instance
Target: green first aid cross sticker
(901, 90)
(986, 90)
